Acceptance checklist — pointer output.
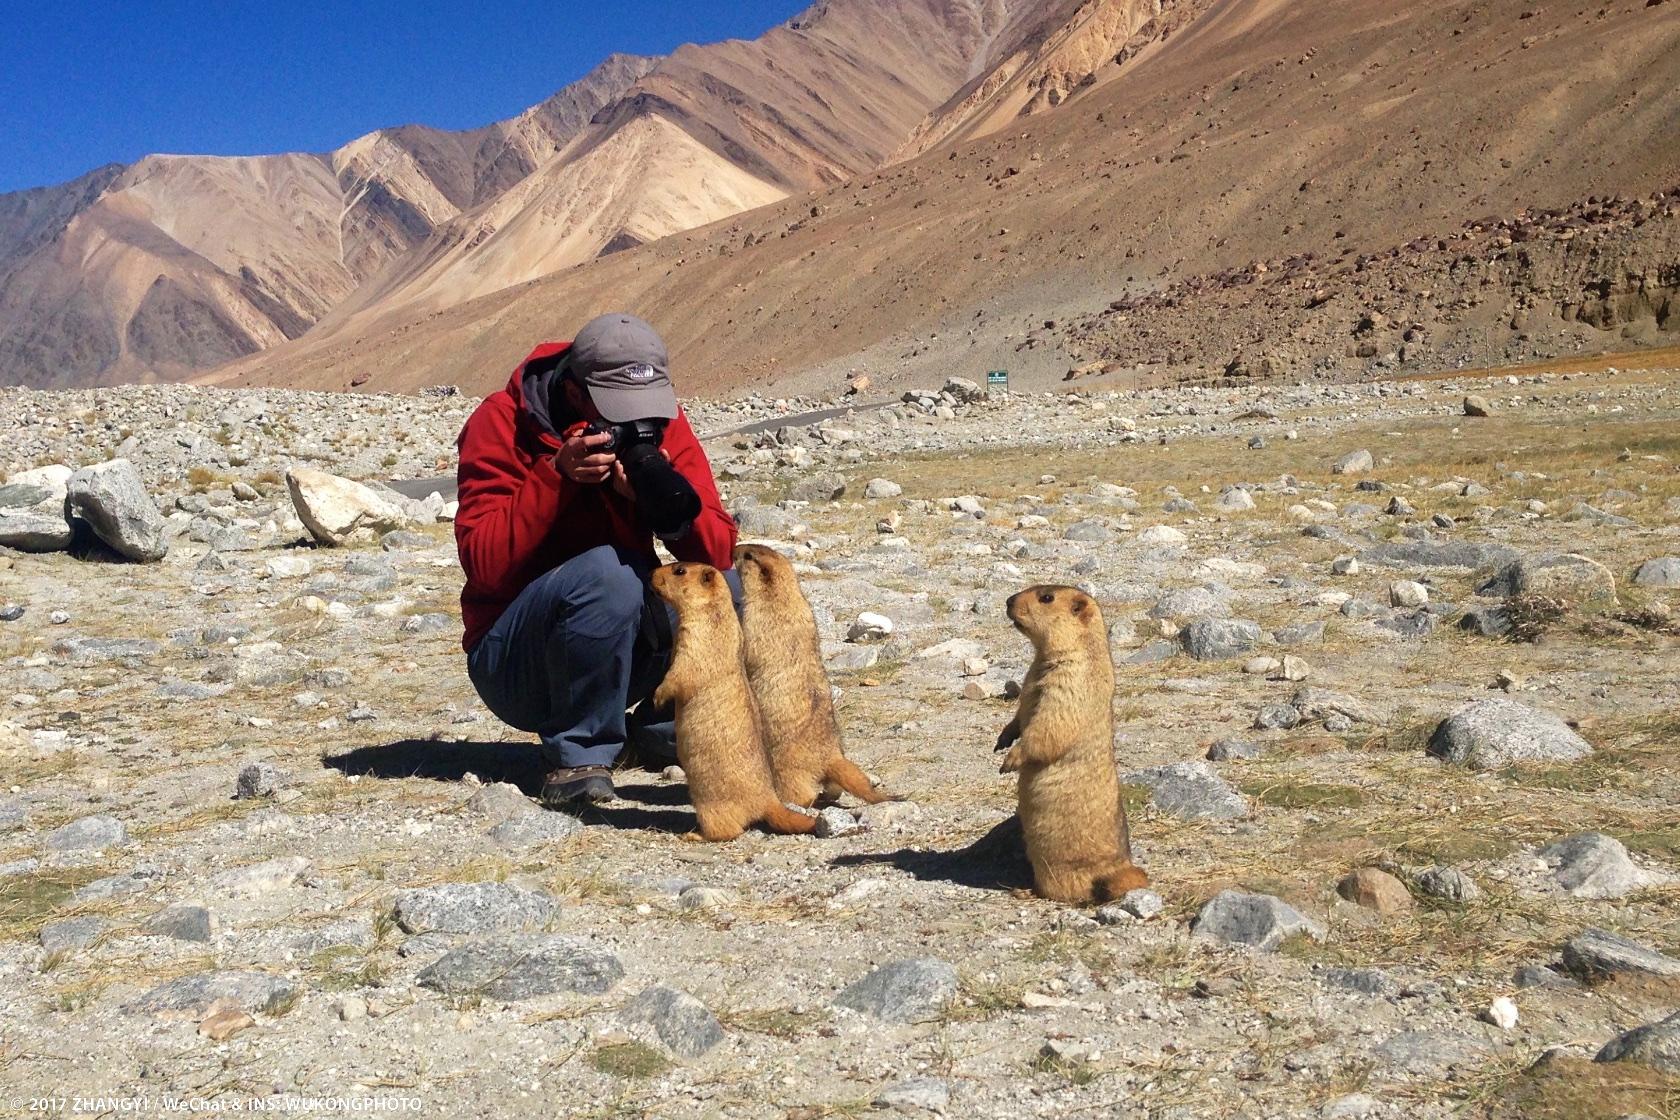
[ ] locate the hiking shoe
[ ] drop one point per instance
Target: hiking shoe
(578, 785)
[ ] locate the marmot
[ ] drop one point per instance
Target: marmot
(1061, 742)
(784, 664)
(719, 740)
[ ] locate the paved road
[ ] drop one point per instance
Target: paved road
(445, 485)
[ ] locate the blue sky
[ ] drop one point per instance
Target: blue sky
(84, 84)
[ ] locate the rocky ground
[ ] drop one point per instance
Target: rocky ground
(1396, 706)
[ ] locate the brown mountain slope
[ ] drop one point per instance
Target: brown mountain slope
(179, 262)
(713, 130)
(1258, 129)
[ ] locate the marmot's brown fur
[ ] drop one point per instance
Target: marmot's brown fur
(1061, 742)
(784, 664)
(719, 741)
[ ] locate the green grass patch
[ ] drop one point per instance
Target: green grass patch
(27, 900)
(630, 1060)
(1303, 795)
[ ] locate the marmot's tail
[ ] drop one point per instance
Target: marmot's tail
(845, 774)
(1119, 879)
(785, 820)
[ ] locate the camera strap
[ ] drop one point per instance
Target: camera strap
(656, 621)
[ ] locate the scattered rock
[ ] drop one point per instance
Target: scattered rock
(1260, 921)
(183, 922)
(1494, 734)
(903, 991)
(245, 989)
(1593, 865)
(682, 1023)
(1558, 575)
(1656, 1045)
(88, 833)
(260, 878)
(1354, 462)
(473, 908)
(1225, 750)
(834, 821)
(927, 1094)
(1376, 890)
(1595, 954)
(524, 966)
(1662, 571)
(1214, 639)
(1448, 883)
(825, 487)
(1191, 790)
(335, 510)
(1477, 406)
(68, 935)
(1502, 1013)
(259, 779)
(111, 500)
(1407, 593)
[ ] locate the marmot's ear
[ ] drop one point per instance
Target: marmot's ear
(1079, 604)
(707, 575)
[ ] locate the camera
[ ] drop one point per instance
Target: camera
(665, 499)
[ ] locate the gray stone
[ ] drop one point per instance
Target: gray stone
(1430, 1053)
(127, 883)
(1323, 704)
(258, 779)
(88, 650)
(1489, 622)
(434, 622)
(405, 540)
(1656, 1045)
(1593, 865)
(1225, 750)
(1562, 575)
(1087, 532)
(111, 500)
(1300, 633)
(1354, 462)
(1276, 717)
(1438, 554)
(524, 966)
(183, 922)
(1596, 954)
(190, 690)
(824, 487)
(1493, 734)
(253, 991)
(11, 612)
(499, 801)
(473, 908)
(13, 814)
(1260, 921)
(686, 1027)
(336, 509)
(1414, 625)
(1662, 571)
(87, 833)
(927, 1094)
(1215, 639)
(38, 527)
(853, 658)
(535, 826)
(1190, 790)
(882, 488)
(1141, 903)
(1365, 981)
(257, 879)
(1191, 602)
(903, 991)
(1233, 500)
(764, 521)
(1160, 649)
(835, 821)
(70, 934)
(1447, 883)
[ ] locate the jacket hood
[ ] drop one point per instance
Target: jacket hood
(531, 386)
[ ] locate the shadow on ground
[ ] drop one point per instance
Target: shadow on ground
(997, 861)
(521, 765)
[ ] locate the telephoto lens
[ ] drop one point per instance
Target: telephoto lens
(666, 499)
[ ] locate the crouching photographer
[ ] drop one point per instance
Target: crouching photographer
(566, 477)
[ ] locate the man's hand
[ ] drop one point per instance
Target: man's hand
(578, 460)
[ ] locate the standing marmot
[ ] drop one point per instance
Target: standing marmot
(1061, 741)
(784, 663)
(719, 741)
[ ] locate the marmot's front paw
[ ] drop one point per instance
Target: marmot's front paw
(1006, 738)
(1011, 761)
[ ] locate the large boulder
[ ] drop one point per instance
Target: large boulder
(111, 500)
(1493, 734)
(1560, 575)
(1660, 571)
(1216, 639)
(1191, 790)
(1261, 921)
(1593, 865)
(336, 510)
(1655, 1044)
(32, 514)
(1354, 462)
(903, 991)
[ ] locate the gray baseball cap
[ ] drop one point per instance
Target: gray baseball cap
(622, 363)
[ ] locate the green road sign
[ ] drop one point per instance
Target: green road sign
(997, 380)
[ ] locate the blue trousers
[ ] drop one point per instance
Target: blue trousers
(570, 656)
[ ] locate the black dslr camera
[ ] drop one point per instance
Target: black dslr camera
(665, 499)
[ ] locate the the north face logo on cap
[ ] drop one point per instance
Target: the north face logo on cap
(641, 371)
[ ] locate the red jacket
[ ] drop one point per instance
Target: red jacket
(520, 517)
